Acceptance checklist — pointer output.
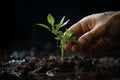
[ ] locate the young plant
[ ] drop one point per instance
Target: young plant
(60, 36)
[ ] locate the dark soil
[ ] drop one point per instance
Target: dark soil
(51, 68)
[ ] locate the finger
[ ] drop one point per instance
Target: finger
(76, 28)
(79, 29)
(89, 38)
(68, 46)
(82, 26)
(75, 48)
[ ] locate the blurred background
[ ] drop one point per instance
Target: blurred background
(18, 17)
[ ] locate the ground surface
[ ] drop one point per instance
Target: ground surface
(50, 67)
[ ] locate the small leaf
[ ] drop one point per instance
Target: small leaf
(62, 20)
(65, 23)
(68, 34)
(44, 26)
(50, 19)
(60, 33)
(58, 26)
(57, 38)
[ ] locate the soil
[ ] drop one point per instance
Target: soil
(74, 67)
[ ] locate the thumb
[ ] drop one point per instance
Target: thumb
(88, 39)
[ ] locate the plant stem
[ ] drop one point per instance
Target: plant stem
(62, 55)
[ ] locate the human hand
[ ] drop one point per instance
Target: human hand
(96, 32)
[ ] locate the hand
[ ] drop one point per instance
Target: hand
(96, 32)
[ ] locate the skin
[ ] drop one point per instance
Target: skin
(96, 32)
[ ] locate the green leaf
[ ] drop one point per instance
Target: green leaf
(60, 33)
(44, 26)
(68, 34)
(57, 38)
(65, 23)
(62, 20)
(50, 19)
(58, 26)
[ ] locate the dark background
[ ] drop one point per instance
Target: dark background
(19, 16)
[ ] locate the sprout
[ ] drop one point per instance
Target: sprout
(60, 36)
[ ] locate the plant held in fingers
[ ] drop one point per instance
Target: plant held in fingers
(60, 36)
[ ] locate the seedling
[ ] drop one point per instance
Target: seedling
(60, 36)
